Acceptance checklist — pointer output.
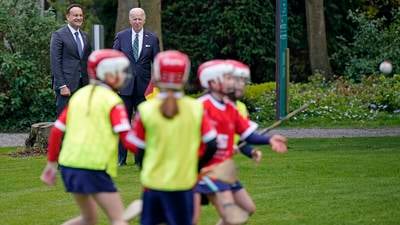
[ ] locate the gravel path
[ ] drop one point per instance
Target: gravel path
(9, 139)
(335, 133)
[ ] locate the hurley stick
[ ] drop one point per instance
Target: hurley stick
(279, 122)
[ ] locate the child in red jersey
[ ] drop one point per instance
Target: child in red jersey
(169, 130)
(93, 121)
(216, 76)
(241, 74)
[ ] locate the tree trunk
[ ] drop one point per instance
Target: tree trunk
(316, 33)
(38, 137)
(153, 17)
(123, 13)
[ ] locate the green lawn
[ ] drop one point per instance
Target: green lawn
(320, 181)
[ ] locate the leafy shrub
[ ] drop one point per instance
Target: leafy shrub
(375, 40)
(260, 100)
(25, 82)
(339, 100)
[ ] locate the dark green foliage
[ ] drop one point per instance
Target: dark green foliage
(206, 30)
(95, 12)
(25, 82)
(89, 14)
(374, 40)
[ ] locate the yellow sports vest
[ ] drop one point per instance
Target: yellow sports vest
(153, 94)
(89, 141)
(172, 145)
(242, 109)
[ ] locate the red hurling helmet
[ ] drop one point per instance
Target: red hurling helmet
(213, 70)
(171, 69)
(105, 61)
(239, 69)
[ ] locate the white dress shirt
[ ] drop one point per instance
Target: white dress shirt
(140, 40)
(79, 34)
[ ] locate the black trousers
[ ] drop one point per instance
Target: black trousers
(131, 102)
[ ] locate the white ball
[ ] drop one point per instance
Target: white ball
(386, 67)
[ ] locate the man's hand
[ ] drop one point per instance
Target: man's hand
(49, 174)
(64, 91)
(256, 155)
(278, 143)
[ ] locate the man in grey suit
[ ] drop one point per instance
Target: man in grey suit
(140, 46)
(69, 51)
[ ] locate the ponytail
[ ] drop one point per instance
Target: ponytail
(169, 107)
(90, 98)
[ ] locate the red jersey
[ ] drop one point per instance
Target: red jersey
(228, 122)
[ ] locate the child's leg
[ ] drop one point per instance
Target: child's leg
(243, 199)
(220, 202)
(213, 200)
(197, 208)
(88, 211)
(112, 205)
(228, 209)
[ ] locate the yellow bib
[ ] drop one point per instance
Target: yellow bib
(242, 109)
(89, 141)
(172, 145)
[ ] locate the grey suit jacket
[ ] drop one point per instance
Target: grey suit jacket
(67, 67)
(141, 69)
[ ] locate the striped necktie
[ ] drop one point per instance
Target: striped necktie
(78, 42)
(135, 47)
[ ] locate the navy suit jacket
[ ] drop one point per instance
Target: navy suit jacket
(66, 66)
(140, 69)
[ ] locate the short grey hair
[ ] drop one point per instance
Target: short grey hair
(140, 10)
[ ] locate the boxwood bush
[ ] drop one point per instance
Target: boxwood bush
(338, 100)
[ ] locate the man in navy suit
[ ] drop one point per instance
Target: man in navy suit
(140, 46)
(69, 51)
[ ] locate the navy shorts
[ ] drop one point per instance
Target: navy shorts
(170, 207)
(86, 181)
(210, 186)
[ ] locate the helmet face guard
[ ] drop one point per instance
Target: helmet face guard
(240, 70)
(171, 69)
(213, 70)
(241, 73)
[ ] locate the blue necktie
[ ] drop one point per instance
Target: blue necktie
(78, 42)
(135, 47)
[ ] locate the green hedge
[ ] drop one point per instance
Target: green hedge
(339, 100)
(205, 30)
